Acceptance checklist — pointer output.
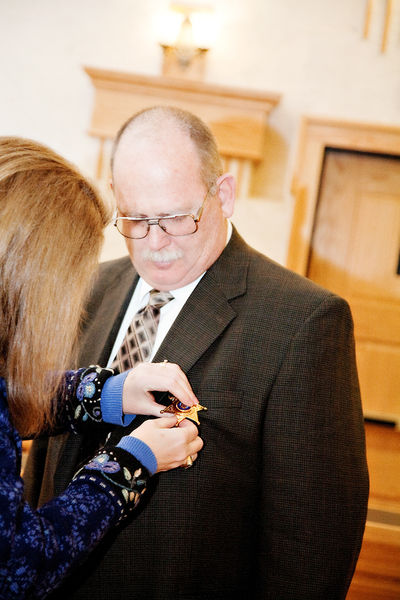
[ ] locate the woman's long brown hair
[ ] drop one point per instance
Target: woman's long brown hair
(51, 231)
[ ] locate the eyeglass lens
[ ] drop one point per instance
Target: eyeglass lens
(179, 225)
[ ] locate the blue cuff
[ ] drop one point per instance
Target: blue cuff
(141, 451)
(111, 401)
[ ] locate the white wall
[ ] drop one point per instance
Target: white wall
(310, 51)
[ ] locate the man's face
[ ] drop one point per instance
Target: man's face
(158, 176)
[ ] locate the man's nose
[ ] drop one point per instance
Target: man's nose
(157, 238)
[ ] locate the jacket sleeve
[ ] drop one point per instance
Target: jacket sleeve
(315, 478)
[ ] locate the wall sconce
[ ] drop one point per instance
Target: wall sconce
(188, 32)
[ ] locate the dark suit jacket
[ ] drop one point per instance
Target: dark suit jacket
(275, 505)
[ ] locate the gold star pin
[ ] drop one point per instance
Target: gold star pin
(182, 411)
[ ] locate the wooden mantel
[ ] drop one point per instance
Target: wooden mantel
(237, 117)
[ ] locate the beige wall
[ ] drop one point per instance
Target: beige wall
(310, 51)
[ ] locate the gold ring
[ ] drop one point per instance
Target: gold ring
(188, 462)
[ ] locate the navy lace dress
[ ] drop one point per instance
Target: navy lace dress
(39, 547)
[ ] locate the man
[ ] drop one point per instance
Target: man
(275, 506)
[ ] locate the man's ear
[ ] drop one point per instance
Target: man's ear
(227, 193)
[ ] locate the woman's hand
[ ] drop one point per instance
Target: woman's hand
(161, 377)
(170, 445)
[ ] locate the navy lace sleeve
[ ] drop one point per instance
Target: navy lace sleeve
(38, 548)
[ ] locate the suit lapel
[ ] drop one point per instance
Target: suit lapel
(208, 311)
(203, 318)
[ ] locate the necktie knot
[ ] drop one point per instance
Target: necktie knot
(159, 299)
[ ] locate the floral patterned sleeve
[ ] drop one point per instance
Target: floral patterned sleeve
(79, 404)
(38, 548)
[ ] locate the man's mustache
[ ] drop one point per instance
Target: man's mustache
(163, 255)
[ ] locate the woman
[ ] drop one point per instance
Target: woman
(51, 225)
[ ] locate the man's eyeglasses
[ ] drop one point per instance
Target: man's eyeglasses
(136, 228)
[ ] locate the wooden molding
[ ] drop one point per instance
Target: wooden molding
(237, 117)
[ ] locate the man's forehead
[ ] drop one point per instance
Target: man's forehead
(162, 157)
(149, 200)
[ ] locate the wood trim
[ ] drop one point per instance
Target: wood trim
(316, 134)
(125, 79)
(237, 117)
(386, 27)
(367, 19)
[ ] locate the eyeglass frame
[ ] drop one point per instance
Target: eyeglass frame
(156, 220)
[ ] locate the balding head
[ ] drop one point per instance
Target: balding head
(160, 121)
